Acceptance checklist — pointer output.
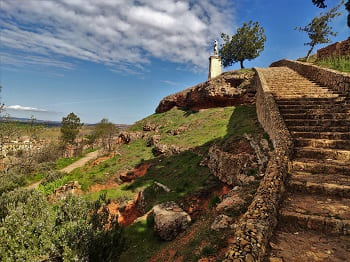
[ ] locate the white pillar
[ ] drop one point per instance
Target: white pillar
(215, 66)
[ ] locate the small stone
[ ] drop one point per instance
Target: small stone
(249, 258)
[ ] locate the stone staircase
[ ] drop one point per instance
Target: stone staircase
(314, 221)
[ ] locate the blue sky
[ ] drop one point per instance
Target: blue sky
(117, 59)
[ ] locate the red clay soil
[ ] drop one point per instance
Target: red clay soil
(128, 215)
(101, 159)
(130, 212)
(197, 205)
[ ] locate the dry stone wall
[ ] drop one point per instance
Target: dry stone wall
(337, 49)
(333, 79)
(255, 227)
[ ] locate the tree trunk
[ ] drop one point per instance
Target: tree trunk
(309, 53)
(241, 62)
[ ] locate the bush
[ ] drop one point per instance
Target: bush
(11, 180)
(72, 230)
(51, 176)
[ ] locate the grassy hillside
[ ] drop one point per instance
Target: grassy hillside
(182, 173)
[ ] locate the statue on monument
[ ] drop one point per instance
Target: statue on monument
(216, 52)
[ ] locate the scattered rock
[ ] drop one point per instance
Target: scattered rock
(178, 131)
(163, 149)
(232, 202)
(221, 222)
(163, 187)
(151, 127)
(153, 140)
(127, 137)
(127, 176)
(62, 192)
(170, 220)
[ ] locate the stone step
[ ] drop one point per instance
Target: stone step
(307, 111)
(333, 116)
(290, 244)
(325, 213)
(322, 143)
(325, 184)
(318, 122)
(302, 96)
(322, 153)
(321, 135)
(320, 166)
(307, 107)
(319, 128)
(308, 103)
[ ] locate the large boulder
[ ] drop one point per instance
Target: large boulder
(170, 220)
(230, 88)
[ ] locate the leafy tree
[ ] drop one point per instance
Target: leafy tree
(70, 128)
(246, 44)
(319, 30)
(321, 4)
(106, 130)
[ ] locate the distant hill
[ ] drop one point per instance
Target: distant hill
(55, 123)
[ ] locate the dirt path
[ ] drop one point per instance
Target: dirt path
(81, 162)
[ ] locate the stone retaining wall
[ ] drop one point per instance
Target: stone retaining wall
(333, 79)
(337, 49)
(255, 227)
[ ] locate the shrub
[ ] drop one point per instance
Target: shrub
(72, 230)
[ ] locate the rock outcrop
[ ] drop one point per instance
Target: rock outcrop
(170, 220)
(241, 161)
(230, 88)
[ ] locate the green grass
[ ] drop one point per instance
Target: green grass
(203, 126)
(337, 63)
(140, 242)
(132, 155)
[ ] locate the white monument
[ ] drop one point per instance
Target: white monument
(215, 65)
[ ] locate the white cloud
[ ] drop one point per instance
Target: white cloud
(123, 34)
(25, 108)
(170, 82)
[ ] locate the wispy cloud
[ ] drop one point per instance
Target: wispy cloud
(170, 82)
(123, 34)
(26, 108)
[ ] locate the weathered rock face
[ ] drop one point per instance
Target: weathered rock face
(170, 220)
(232, 169)
(240, 162)
(230, 88)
